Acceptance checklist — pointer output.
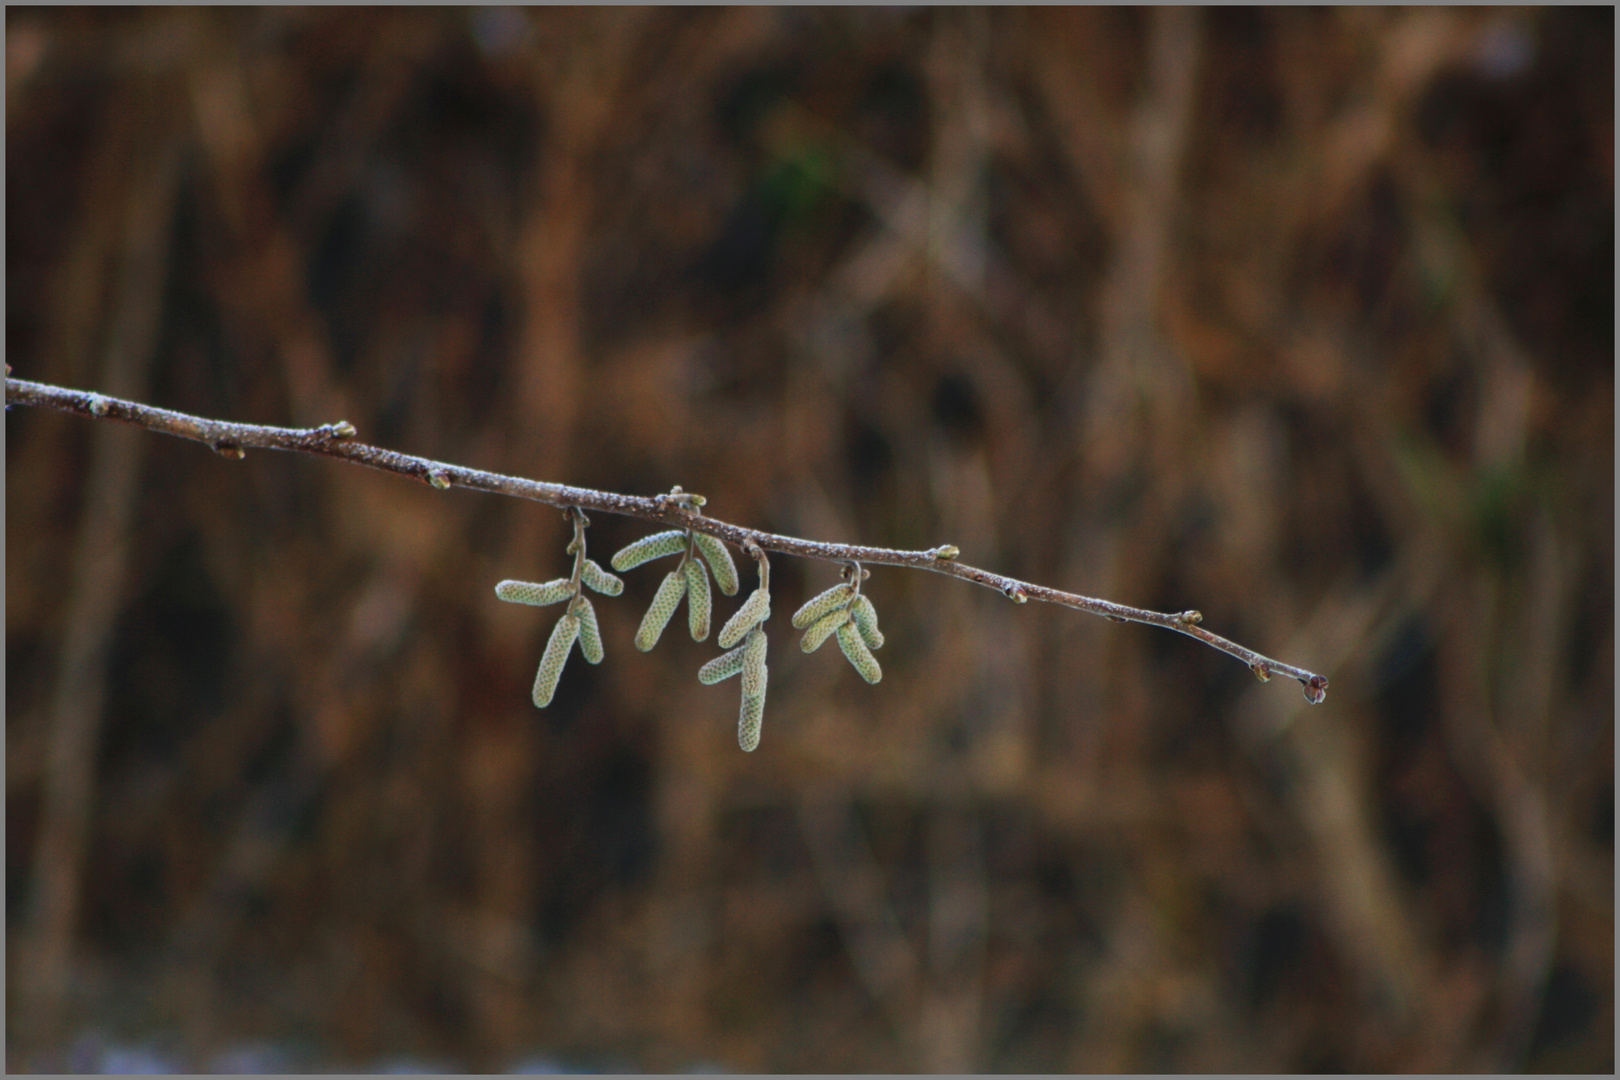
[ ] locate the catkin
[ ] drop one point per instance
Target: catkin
(551, 663)
(665, 601)
(748, 723)
(866, 621)
(725, 571)
(649, 547)
(529, 592)
(753, 669)
(820, 632)
(756, 609)
(849, 639)
(590, 634)
(600, 580)
(698, 602)
(722, 667)
(819, 605)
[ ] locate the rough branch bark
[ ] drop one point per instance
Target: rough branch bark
(337, 441)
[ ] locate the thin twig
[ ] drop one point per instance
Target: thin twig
(337, 440)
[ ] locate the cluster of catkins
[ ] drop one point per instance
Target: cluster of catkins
(579, 618)
(841, 610)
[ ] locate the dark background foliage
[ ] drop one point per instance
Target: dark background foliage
(1303, 318)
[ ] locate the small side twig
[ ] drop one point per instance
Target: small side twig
(337, 441)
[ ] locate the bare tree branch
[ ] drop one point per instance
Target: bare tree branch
(337, 441)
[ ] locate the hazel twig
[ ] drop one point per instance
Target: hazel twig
(677, 510)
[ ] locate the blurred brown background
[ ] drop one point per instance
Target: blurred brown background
(1302, 318)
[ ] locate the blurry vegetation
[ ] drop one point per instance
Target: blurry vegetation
(1300, 317)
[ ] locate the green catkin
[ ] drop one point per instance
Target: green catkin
(753, 668)
(551, 663)
(866, 621)
(819, 633)
(647, 548)
(590, 634)
(748, 723)
(756, 609)
(665, 601)
(698, 601)
(529, 592)
(849, 639)
(599, 579)
(821, 604)
(722, 667)
(725, 571)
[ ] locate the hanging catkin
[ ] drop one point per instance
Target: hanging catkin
(698, 600)
(849, 639)
(756, 609)
(821, 604)
(529, 592)
(748, 723)
(823, 629)
(665, 601)
(551, 662)
(722, 667)
(590, 635)
(866, 621)
(719, 559)
(600, 580)
(648, 548)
